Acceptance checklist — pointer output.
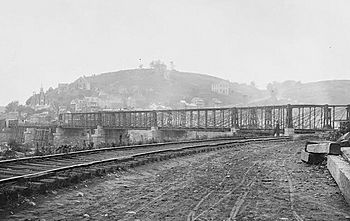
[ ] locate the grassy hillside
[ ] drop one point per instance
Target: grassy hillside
(322, 92)
(144, 88)
(154, 86)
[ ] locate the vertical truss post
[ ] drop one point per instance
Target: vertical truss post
(314, 118)
(348, 112)
(184, 118)
(191, 118)
(124, 120)
(268, 118)
(161, 119)
(302, 118)
(322, 118)
(333, 120)
(206, 118)
(262, 121)
(214, 119)
(198, 118)
(72, 119)
(154, 119)
(234, 120)
(289, 116)
(234, 117)
(299, 124)
(309, 117)
(223, 118)
(327, 116)
(240, 118)
(99, 118)
(289, 127)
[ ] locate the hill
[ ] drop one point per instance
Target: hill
(158, 88)
(322, 92)
(151, 88)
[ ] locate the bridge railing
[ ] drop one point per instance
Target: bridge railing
(303, 117)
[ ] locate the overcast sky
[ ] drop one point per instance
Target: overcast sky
(47, 42)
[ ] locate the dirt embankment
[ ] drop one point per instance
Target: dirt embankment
(263, 181)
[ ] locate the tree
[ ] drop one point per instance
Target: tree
(271, 87)
(12, 107)
(158, 65)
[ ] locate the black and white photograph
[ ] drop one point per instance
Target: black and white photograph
(175, 110)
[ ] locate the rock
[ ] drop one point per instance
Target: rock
(345, 137)
(86, 215)
(54, 192)
(29, 202)
(311, 158)
(324, 148)
(32, 203)
(80, 194)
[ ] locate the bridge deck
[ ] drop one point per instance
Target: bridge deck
(300, 117)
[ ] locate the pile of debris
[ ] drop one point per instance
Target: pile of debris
(344, 140)
(315, 152)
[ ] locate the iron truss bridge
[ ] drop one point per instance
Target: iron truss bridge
(299, 117)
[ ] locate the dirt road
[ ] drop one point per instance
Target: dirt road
(262, 181)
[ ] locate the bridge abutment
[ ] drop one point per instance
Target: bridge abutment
(110, 136)
(70, 136)
(99, 136)
(289, 132)
(29, 135)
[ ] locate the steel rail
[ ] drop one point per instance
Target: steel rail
(128, 158)
(120, 148)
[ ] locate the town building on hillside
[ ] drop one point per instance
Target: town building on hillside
(62, 87)
(223, 87)
(10, 118)
(38, 118)
(198, 102)
(82, 83)
(216, 102)
(87, 104)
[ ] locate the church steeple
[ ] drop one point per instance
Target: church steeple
(42, 100)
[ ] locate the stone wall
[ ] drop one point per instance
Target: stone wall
(140, 136)
(70, 137)
(5, 136)
(116, 136)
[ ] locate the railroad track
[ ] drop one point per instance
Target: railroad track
(35, 174)
(10, 169)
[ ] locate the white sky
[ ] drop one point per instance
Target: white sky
(47, 42)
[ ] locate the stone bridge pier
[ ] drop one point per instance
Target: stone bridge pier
(70, 136)
(81, 136)
(110, 136)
